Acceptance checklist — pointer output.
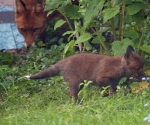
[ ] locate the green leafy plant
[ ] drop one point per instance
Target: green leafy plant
(125, 19)
(84, 90)
(8, 58)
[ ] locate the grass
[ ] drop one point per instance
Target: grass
(46, 102)
(52, 106)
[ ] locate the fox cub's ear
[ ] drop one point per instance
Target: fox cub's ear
(130, 48)
(128, 54)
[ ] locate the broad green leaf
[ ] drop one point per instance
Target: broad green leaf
(68, 45)
(131, 33)
(92, 10)
(84, 37)
(119, 47)
(128, 2)
(122, 80)
(128, 19)
(95, 41)
(71, 11)
(145, 48)
(110, 13)
(59, 23)
(138, 17)
(134, 8)
(69, 49)
(55, 4)
(87, 45)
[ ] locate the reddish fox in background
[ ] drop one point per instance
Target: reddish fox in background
(102, 70)
(31, 19)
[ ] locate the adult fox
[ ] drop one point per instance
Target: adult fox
(31, 19)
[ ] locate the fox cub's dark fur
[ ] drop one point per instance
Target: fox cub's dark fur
(102, 70)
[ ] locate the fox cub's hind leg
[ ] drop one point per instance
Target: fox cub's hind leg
(74, 86)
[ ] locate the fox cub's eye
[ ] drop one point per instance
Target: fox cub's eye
(35, 29)
(23, 30)
(138, 68)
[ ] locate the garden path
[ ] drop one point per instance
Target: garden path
(10, 38)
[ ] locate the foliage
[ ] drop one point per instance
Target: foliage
(119, 48)
(53, 37)
(8, 58)
(12, 72)
(128, 21)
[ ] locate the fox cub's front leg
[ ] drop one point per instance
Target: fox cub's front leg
(106, 81)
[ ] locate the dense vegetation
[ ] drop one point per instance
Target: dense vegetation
(46, 102)
(127, 20)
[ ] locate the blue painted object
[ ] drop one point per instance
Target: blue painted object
(10, 38)
(6, 8)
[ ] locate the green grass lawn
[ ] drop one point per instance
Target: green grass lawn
(52, 106)
(47, 102)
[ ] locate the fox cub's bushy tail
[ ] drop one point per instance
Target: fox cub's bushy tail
(52, 71)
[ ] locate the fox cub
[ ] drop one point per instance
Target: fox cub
(102, 70)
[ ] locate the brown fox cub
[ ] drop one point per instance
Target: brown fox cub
(102, 70)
